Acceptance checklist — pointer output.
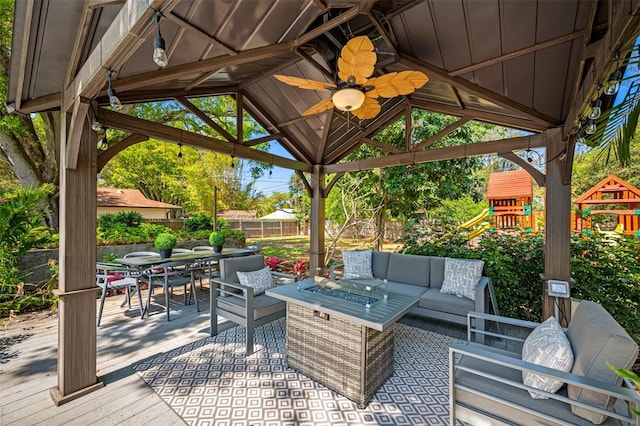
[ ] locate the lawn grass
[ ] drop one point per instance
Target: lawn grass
(296, 248)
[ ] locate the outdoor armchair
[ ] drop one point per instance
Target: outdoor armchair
(169, 275)
(116, 277)
(239, 303)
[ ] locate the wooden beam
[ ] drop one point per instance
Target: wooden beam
(199, 33)
(151, 95)
(520, 52)
(191, 11)
(621, 34)
(81, 35)
(329, 25)
(40, 104)
(263, 139)
(119, 42)
(440, 154)
(131, 124)
(204, 117)
(330, 185)
(535, 173)
(268, 73)
(239, 117)
(105, 156)
(316, 237)
(388, 39)
(407, 127)
(93, 4)
(442, 133)
(474, 89)
(325, 136)
(24, 49)
(78, 121)
(328, 74)
(384, 146)
(487, 117)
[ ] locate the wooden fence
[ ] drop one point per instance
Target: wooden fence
(265, 228)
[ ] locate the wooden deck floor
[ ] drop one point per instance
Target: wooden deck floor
(28, 356)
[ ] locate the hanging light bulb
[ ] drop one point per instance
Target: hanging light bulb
(270, 173)
(233, 164)
(159, 52)
(103, 142)
(580, 137)
(591, 127)
(529, 156)
(596, 109)
(614, 83)
(179, 150)
(113, 99)
(95, 124)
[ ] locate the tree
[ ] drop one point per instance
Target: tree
(29, 145)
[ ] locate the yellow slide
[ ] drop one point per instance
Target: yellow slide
(479, 230)
(484, 214)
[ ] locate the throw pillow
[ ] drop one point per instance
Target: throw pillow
(260, 280)
(461, 277)
(357, 264)
(547, 345)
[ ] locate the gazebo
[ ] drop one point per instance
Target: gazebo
(532, 65)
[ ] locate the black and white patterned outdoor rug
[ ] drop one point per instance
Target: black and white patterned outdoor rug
(211, 382)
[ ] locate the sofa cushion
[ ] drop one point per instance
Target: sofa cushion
(357, 264)
(437, 301)
(229, 267)
(263, 305)
(548, 346)
(437, 272)
(259, 280)
(406, 289)
(380, 264)
(409, 269)
(596, 338)
(461, 277)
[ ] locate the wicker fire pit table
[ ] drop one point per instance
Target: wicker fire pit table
(340, 333)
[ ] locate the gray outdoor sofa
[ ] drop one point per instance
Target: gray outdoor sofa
(486, 382)
(422, 277)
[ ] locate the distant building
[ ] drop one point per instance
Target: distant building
(238, 214)
(282, 214)
(113, 200)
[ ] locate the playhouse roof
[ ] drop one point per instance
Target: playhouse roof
(114, 197)
(513, 184)
(611, 184)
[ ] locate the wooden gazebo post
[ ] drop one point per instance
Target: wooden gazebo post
(557, 256)
(317, 219)
(77, 253)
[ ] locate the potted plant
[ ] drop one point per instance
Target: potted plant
(165, 242)
(217, 239)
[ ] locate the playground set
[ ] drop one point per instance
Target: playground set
(510, 195)
(613, 196)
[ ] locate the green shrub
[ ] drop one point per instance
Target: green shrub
(165, 241)
(604, 272)
(217, 238)
(129, 219)
(199, 222)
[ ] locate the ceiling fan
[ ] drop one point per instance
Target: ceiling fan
(355, 91)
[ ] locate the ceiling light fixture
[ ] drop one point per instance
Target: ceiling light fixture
(348, 99)
(113, 99)
(159, 52)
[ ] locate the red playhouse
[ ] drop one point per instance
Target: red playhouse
(510, 195)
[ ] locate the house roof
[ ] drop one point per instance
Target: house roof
(523, 64)
(238, 214)
(611, 184)
(283, 214)
(512, 184)
(114, 197)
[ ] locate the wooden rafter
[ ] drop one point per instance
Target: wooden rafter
(325, 136)
(442, 75)
(383, 146)
(239, 116)
(488, 117)
(193, 7)
(303, 55)
(269, 72)
(78, 120)
(383, 32)
(305, 182)
(517, 53)
(131, 124)
(154, 95)
(204, 117)
(83, 28)
(330, 185)
(536, 174)
(23, 56)
(263, 139)
(105, 156)
(408, 123)
(442, 133)
(440, 154)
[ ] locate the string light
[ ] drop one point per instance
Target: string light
(591, 127)
(596, 109)
(614, 79)
(159, 52)
(233, 164)
(113, 99)
(95, 124)
(103, 142)
(180, 150)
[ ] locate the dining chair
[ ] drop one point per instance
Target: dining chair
(181, 250)
(141, 254)
(202, 248)
(243, 304)
(169, 275)
(117, 277)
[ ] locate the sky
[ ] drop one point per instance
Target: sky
(279, 180)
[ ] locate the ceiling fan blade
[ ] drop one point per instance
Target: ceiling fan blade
(357, 60)
(396, 84)
(303, 83)
(321, 106)
(369, 109)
